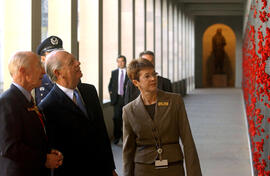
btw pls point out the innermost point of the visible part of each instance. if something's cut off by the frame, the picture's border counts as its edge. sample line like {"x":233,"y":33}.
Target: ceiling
{"x":214,"y":7}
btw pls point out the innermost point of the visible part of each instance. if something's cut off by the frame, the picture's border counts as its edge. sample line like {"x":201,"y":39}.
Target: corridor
{"x":219,"y":129}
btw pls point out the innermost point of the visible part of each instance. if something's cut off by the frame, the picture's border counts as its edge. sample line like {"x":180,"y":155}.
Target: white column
{"x":62,"y":22}
{"x":1,"y":44}
{"x":17,"y":31}
{"x":89,"y":41}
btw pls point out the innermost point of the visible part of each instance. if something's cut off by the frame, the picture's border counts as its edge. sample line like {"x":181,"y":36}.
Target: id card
{"x":161,"y":164}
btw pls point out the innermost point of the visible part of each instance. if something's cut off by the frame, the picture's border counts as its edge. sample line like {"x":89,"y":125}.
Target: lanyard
{"x":157,"y":139}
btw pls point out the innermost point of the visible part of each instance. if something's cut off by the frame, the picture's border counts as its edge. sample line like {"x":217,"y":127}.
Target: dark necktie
{"x":78,"y":101}
{"x":121,"y":87}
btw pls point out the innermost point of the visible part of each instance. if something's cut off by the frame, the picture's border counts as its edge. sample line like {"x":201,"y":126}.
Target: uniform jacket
{"x":23,"y":143}
{"x":113,"y":86}
{"x":132,"y":92}
{"x":170,"y":123}
{"x":82,"y":139}
{"x":44,"y":89}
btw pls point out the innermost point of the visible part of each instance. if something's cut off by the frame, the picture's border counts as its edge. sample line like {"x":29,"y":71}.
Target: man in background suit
{"x":75,"y":120}
{"x":45,"y":47}
{"x":132,"y":92}
{"x":116,"y":87}
{"x":23,"y":139}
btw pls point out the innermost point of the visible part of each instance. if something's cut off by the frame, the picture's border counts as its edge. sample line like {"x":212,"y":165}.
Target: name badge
{"x":161,"y":164}
{"x":163,"y":103}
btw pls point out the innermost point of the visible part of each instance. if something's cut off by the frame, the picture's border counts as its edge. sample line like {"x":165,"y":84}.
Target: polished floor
{"x":219,"y":128}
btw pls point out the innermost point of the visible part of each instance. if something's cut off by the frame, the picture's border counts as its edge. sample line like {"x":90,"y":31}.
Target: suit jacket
{"x":23,"y":143}
{"x":169,"y":124}
{"x":82,"y":139}
{"x":113,"y":86}
{"x":132,"y":92}
{"x":44,"y":89}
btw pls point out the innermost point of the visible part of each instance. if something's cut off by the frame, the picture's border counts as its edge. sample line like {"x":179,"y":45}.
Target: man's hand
{"x":54,"y":159}
{"x":114,"y":173}
{"x":58,"y":153}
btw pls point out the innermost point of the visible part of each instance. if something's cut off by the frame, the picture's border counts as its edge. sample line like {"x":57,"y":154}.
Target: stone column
{"x":62,"y":22}
{"x":21,"y":30}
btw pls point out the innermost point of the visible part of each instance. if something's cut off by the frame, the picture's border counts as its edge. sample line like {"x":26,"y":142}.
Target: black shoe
{"x":115,"y":141}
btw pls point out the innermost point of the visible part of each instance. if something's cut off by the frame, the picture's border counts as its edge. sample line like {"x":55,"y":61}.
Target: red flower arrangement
{"x":256,"y":84}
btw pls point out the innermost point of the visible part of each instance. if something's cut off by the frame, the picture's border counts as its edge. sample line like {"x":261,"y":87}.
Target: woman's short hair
{"x":135,"y":66}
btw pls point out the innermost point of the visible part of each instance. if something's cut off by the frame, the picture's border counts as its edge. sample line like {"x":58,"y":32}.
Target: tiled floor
{"x":218,"y":125}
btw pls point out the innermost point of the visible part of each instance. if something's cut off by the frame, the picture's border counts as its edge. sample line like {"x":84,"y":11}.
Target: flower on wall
{"x":256,"y":84}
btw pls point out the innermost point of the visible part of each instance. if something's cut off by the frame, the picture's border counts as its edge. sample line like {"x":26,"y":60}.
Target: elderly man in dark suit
{"x":116,"y":87}
{"x":132,"y":92}
{"x":75,"y":120}
{"x":23,"y":139}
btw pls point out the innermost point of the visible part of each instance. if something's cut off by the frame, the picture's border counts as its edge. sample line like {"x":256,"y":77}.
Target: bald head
{"x":18,"y":60}
{"x":53,"y":62}
{"x":63,"y":68}
{"x":25,"y":69}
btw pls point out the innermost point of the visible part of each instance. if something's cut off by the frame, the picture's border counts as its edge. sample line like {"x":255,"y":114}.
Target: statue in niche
{"x":218,"y":44}
{"x":218,"y":63}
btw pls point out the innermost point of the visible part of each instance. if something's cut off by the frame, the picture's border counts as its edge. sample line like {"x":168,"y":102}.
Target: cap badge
{"x":54,"y":41}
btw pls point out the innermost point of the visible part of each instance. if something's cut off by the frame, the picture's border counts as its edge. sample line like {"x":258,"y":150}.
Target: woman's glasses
{"x":149,"y":75}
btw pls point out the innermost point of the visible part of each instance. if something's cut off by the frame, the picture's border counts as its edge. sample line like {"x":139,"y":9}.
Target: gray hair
{"x":18,"y":60}
{"x":147,"y":53}
{"x":52,"y":63}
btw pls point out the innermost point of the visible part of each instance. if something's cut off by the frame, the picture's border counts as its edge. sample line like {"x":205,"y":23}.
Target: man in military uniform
{"x":48,"y":45}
